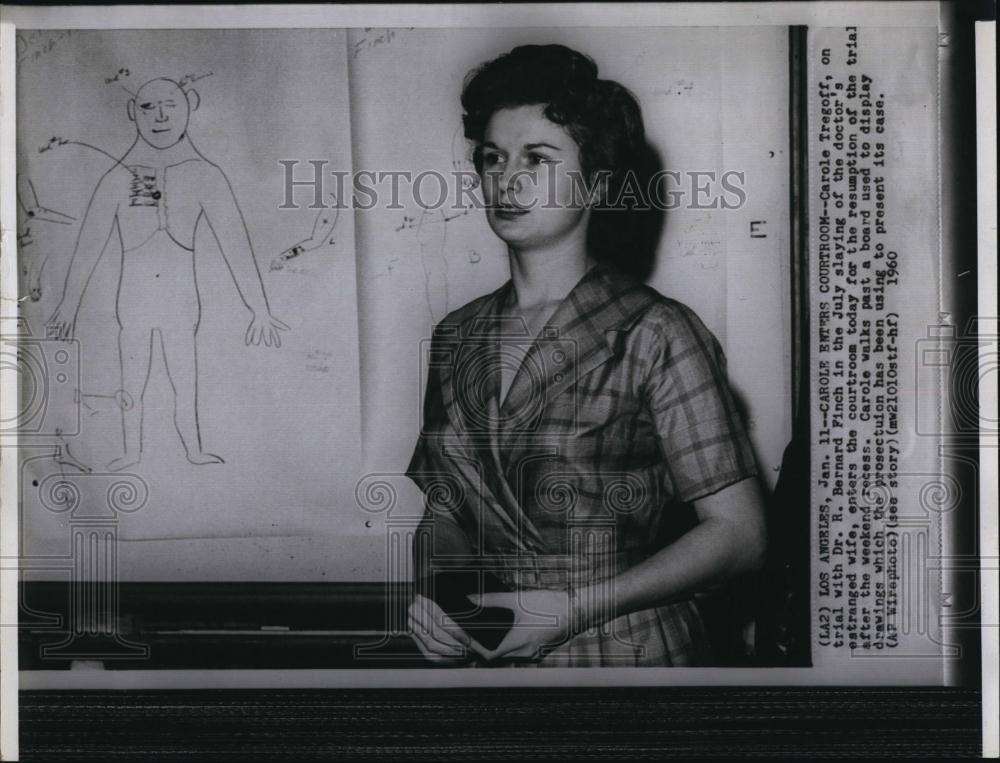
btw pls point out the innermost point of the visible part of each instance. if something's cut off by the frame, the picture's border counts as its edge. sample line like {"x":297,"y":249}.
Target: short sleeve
{"x":430,"y":468}
{"x":432,"y":413}
{"x":704,"y":442}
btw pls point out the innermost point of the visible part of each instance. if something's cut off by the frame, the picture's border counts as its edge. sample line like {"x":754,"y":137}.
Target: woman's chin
{"x":511,"y":232}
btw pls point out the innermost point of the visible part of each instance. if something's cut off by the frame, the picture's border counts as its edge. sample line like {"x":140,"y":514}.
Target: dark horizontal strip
{"x":289,"y":650}
{"x":603,"y":723}
{"x":156,"y":606}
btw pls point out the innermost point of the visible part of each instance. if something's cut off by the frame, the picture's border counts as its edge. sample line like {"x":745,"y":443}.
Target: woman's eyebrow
{"x":528,"y":146}
{"x":533,"y":146}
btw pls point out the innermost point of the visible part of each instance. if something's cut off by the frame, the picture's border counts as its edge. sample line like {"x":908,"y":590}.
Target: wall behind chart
{"x":300,"y":425}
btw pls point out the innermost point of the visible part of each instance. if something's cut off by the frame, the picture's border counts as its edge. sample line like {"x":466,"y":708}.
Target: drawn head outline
{"x":161,"y":109}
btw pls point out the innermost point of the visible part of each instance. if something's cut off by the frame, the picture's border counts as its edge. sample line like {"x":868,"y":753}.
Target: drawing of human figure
{"x":155,"y":196}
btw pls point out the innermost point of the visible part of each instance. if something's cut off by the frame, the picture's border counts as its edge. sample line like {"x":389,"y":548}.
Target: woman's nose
{"x":514,"y":178}
{"x":512,"y":181}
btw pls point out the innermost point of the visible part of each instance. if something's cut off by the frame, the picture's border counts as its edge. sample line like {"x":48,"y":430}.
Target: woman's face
{"x":533,"y":182}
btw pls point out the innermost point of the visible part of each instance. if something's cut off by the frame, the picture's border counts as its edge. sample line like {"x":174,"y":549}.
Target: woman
{"x":572,"y":414}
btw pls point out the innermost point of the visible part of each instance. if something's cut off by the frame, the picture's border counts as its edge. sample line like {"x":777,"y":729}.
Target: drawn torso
{"x":163,"y":199}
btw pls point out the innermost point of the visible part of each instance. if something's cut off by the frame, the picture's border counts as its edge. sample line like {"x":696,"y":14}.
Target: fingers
{"x":509,"y":642}
{"x":439,"y":659}
{"x":439,"y":638}
{"x":517,"y":644}
{"x":61,"y":330}
{"x":431,"y":644}
{"x":275,"y":327}
{"x":265,"y":332}
{"x":271,"y":338}
{"x":491,"y":599}
{"x":431,"y":618}
{"x":481,"y":650}
{"x":431,"y":656}
{"x":54,"y":326}
{"x":436,"y":633}
{"x":533,"y":626}
{"x":434,"y":652}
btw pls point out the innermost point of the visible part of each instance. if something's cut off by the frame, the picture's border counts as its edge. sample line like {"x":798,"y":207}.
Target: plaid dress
{"x":618,"y":417}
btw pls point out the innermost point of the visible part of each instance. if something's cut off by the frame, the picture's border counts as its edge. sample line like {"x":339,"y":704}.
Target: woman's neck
{"x":545,"y":277}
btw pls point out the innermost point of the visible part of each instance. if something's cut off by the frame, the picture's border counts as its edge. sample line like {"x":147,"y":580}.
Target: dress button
{"x":157,"y":195}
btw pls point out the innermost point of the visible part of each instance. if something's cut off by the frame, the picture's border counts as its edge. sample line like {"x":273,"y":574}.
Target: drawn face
{"x":532,"y":179}
{"x":161,"y":112}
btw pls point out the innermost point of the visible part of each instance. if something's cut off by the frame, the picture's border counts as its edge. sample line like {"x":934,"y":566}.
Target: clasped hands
{"x":542,"y":617}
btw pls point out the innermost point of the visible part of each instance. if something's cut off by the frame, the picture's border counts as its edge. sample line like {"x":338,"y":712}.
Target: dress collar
{"x":579,"y":337}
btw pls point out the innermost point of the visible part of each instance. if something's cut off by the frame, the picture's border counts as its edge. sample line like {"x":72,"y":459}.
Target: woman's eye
{"x":492,"y":159}
{"x":538,"y":159}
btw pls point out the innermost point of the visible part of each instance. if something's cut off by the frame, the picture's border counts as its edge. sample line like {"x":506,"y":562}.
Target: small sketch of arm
{"x":323,"y":225}
{"x":28,"y":200}
{"x":57,"y":142}
{"x":414,"y":223}
{"x":190,"y":79}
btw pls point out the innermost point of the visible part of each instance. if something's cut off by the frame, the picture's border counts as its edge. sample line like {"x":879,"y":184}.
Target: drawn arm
{"x":229,"y":228}
{"x":323,"y":225}
{"x":28,"y":200}
{"x":99,"y":221}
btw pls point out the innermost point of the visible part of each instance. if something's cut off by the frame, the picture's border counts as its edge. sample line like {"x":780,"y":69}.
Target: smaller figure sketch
{"x":32,"y":211}
{"x":27,"y":199}
{"x":155,"y":197}
{"x":323,"y":225}
{"x":32,"y":263}
{"x":64,"y":457}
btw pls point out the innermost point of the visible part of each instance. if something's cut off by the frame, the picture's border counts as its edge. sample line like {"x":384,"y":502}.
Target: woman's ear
{"x":130,"y":108}
{"x":194,"y":100}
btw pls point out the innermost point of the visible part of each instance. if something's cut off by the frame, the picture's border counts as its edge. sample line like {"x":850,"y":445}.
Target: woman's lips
{"x":506,"y":212}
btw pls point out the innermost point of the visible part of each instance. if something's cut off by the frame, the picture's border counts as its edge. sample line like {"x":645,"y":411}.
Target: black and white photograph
{"x":546,"y":347}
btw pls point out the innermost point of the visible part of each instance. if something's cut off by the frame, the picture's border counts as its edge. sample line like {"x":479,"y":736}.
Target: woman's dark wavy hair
{"x":604,"y":119}
{"x":602,"y":116}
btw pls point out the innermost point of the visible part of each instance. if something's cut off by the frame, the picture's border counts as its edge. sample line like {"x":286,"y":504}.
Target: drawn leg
{"x":64,"y":457}
{"x":135,"y":355}
{"x":180,"y":354}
